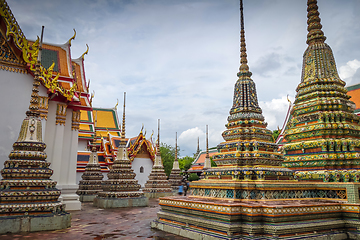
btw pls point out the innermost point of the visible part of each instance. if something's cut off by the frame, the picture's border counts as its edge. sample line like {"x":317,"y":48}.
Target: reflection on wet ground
{"x":95,"y":223}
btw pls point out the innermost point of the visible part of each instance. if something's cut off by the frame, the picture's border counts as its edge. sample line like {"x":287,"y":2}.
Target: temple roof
{"x":198,"y":163}
{"x":103,"y":123}
{"x":354,"y":92}
{"x":63,"y":77}
{"x":99,"y":120}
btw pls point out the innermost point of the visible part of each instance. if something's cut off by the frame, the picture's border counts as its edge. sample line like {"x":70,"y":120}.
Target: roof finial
{"x":123,"y":121}
{"x":117,"y":103}
{"x":175,"y":146}
{"x":34,"y":100}
{"x":244,"y":68}
{"x":73,"y":37}
{"x":86,"y":52}
{"x":158,"y":139}
{"x":314,"y":26}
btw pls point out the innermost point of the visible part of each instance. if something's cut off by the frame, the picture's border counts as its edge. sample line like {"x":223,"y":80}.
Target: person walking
{"x":181,"y":189}
{"x":186,"y":187}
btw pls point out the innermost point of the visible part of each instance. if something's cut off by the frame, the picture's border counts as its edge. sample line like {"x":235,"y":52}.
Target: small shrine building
{"x":104,"y":124}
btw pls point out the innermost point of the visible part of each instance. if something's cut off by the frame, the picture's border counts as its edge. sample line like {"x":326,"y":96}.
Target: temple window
{"x":141,"y":169}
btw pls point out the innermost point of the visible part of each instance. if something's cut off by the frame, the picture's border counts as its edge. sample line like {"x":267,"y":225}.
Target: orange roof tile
{"x":355,"y":97}
{"x":202,"y":157}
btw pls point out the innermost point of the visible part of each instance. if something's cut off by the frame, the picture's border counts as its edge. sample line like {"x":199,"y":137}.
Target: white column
{"x":57,"y":149}
{"x":67,"y":183}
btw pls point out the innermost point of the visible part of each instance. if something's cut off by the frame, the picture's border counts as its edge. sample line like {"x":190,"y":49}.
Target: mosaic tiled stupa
{"x":249,"y":195}
{"x":28,"y":197}
{"x":157,"y":185}
{"x":121,"y":189}
{"x":323,"y":134}
{"x":175,"y":177}
{"x":91,"y":181}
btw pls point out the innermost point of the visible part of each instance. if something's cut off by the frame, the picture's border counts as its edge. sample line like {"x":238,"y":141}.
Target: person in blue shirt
{"x":181,"y":188}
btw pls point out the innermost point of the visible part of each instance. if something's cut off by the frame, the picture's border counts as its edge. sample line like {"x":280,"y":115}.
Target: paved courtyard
{"x":94,"y":223}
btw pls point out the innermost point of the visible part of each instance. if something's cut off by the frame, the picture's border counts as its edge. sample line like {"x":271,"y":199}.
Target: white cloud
{"x":188,"y":138}
{"x":347,"y":71}
{"x":275,"y":111}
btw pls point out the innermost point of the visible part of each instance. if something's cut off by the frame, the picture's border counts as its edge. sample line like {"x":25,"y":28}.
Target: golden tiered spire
{"x":207,"y":142}
{"x":244,"y":68}
{"x":315,"y":35}
{"x":175,"y":146}
{"x":34,"y":101}
{"x":158,"y":140}
{"x":123,"y":122}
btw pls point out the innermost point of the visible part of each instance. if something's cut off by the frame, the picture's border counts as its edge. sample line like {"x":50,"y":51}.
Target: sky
{"x":177,"y":60}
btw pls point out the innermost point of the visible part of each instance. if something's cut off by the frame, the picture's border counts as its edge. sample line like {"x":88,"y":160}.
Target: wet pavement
{"x":95,"y":223}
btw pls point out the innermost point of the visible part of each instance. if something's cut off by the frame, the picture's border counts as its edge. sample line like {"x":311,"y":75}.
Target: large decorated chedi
{"x":121,"y":189}
{"x":157,"y":185}
{"x":91,"y":181}
{"x":248,"y":152}
{"x":323,"y":133}
{"x":28,"y":197}
{"x":249,"y":195}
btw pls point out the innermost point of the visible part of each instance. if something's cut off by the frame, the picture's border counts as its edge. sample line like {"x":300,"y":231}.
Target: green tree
{"x":213,"y":163}
{"x":193,"y":177}
{"x":167,"y":153}
{"x":275,"y":134}
{"x":185,"y":163}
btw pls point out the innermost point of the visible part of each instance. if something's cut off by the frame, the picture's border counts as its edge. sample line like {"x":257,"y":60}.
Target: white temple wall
{"x":15,"y":92}
{"x":147,"y":164}
{"x":82,"y":145}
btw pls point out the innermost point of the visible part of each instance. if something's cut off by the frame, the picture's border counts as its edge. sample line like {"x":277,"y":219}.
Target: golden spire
{"x":207,"y":142}
{"x":315,"y":35}
{"x":158,"y":140}
{"x":123,"y":122}
{"x":244,"y":68}
{"x":207,"y":163}
{"x":198,"y":146}
{"x":175,"y":146}
{"x":34,"y":100}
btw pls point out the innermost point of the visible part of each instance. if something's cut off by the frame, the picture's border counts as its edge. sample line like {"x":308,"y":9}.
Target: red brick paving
{"x":95,"y":223}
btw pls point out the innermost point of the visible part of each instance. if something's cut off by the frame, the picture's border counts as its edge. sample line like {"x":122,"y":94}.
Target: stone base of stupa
{"x":34,"y":223}
{"x":196,"y":234}
{"x":121,"y":202}
{"x":200,"y":218}
{"x":159,"y":194}
{"x":288,"y":209}
{"x":87,"y":198}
